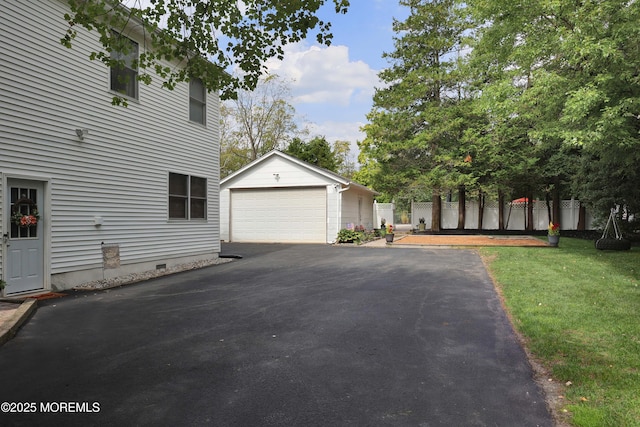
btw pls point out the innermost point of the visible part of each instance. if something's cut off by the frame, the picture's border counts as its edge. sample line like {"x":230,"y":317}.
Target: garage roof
{"x":331,"y":176}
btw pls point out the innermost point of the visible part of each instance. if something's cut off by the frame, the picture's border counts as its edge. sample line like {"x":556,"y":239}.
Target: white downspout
{"x":339,"y":205}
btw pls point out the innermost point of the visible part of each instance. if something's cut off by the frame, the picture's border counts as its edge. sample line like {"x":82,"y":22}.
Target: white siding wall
{"x":263,"y":175}
{"x":120,"y":170}
{"x":225,"y":197}
{"x":357,"y":209}
{"x":2,"y":224}
{"x":333,"y":212}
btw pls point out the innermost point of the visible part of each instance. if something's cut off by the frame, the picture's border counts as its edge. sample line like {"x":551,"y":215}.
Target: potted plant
{"x":389,"y":235}
{"x":554,"y":234}
{"x":383,"y":227}
{"x":421,"y":226}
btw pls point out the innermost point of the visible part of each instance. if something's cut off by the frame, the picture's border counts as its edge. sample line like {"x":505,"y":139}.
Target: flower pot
{"x":553,"y":240}
{"x":389,"y":237}
{"x":422,"y":226}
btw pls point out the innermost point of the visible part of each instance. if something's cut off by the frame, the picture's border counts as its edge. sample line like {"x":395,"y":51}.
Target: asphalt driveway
{"x":290,"y":335}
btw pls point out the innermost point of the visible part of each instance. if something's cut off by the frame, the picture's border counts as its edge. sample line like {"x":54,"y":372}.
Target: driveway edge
{"x":9,"y":329}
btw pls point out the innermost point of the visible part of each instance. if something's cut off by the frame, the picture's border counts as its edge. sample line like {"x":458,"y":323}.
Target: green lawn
{"x":579,"y":310}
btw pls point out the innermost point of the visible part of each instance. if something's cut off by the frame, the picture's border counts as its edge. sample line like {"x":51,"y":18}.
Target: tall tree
{"x":232,"y":33}
{"x":417,"y":123}
{"x":345,"y":164}
{"x":577,"y":64}
{"x":255,"y":123}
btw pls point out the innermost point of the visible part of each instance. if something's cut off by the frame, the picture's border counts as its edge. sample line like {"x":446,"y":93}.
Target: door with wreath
{"x":24,"y":262}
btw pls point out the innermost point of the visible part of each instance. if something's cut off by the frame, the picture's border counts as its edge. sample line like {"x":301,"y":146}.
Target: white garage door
{"x":279,"y":215}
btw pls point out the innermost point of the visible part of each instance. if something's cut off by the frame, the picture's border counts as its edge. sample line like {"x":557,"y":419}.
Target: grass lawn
{"x":579,"y":311}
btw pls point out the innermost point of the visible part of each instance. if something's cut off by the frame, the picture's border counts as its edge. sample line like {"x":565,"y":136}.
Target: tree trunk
{"x":500,"y":210}
{"x":480,"y":209}
{"x":556,"y":200}
{"x":462,"y":202}
{"x":582,"y":217}
{"x":547,"y":200}
{"x":529,"y":211}
{"x":435,"y":211}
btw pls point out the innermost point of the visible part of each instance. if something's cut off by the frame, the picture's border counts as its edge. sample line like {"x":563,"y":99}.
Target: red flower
{"x":28,"y":220}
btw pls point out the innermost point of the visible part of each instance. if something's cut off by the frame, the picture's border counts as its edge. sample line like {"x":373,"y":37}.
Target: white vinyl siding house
{"x":109,"y":187}
{"x":279,"y":198}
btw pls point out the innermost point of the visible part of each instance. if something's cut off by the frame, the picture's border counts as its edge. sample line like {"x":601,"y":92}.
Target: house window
{"x":124,"y":76}
{"x":187,"y":197}
{"x":197,"y":101}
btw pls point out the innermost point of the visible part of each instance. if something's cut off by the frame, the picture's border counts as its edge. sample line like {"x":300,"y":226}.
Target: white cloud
{"x":332,"y":92}
{"x":325,"y":75}
{"x":338,"y":131}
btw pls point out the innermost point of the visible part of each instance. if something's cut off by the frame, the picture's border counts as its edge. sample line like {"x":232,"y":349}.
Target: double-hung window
{"x":124,"y":75}
{"x":187,"y":197}
{"x":197,"y":101}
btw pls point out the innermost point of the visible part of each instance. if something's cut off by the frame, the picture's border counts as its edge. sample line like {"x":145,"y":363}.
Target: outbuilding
{"x":281,"y":199}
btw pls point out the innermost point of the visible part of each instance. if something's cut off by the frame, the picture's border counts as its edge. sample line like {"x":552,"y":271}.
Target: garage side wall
{"x":333,"y":212}
{"x":357,"y":209}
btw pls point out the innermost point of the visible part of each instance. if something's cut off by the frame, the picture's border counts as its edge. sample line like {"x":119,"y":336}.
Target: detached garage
{"x":281,"y":199}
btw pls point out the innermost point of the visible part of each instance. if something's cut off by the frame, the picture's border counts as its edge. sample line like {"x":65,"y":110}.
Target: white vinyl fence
{"x":514,"y":215}
{"x":383,"y":211}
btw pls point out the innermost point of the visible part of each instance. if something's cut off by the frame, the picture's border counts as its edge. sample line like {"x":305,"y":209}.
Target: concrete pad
{"x":12,"y":317}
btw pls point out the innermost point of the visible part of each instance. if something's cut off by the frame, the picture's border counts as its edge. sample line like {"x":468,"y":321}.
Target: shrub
{"x":349,"y":236}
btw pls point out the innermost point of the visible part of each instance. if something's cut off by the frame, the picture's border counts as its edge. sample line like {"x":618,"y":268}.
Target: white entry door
{"x":24,"y":262}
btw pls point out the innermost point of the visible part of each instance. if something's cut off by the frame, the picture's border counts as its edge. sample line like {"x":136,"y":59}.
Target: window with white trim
{"x":197,"y":101}
{"x":124,"y":76}
{"x":187,"y":197}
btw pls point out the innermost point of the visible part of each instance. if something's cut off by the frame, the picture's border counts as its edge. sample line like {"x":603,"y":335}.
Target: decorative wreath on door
{"x":25,"y":220}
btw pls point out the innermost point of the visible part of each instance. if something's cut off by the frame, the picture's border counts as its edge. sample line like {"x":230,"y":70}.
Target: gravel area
{"x":146,"y":275}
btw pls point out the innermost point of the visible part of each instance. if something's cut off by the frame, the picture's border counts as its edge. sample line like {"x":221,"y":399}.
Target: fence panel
{"x":541,"y":217}
{"x":382,"y":211}
{"x":569,"y":214}
{"x":421,"y":210}
{"x":449,"y":215}
{"x":491,"y":216}
{"x":514,"y":215}
{"x":471,"y":215}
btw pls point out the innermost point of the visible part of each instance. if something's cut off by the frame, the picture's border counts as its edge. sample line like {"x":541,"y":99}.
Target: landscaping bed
{"x":471,"y":240}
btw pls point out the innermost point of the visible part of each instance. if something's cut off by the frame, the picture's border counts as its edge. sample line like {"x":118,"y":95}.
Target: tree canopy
{"x":317,"y":152}
{"x":209,"y":37}
{"x":255,"y":122}
{"x":518,"y":98}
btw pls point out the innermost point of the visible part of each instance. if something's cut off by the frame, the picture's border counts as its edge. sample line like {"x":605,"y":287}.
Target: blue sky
{"x":332,"y":87}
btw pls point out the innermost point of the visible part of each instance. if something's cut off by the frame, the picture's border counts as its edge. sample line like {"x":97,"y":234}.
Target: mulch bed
{"x":470,"y":240}
{"x":48,"y":295}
